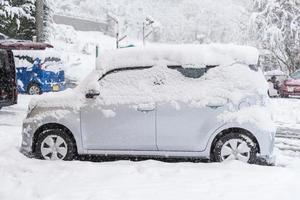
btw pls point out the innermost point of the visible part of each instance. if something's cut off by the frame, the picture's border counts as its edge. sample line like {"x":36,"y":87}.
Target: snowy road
{"x":30,"y":179}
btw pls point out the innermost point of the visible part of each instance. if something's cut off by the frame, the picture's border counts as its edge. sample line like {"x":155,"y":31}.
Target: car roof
{"x":23,"y":45}
{"x":198,"y":56}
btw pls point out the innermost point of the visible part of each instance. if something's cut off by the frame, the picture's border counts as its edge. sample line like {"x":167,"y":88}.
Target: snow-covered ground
{"x":31,"y":179}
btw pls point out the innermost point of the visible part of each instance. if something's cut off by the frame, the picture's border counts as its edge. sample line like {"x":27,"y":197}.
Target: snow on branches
{"x":275,"y":24}
{"x":17,"y":18}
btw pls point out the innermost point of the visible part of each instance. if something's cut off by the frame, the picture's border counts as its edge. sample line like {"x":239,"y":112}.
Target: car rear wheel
{"x":34,"y":89}
{"x":235,"y":146}
{"x":55,"y":144}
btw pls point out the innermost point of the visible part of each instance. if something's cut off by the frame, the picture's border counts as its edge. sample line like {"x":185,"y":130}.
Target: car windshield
{"x":296,"y":75}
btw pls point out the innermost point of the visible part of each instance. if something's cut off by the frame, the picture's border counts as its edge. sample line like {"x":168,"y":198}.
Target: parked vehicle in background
{"x":291,"y":86}
{"x":39,"y":72}
{"x":8,"y":86}
{"x":275,"y":79}
{"x":193,"y":101}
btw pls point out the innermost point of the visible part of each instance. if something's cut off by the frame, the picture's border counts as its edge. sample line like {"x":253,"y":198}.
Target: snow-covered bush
{"x":275,"y":25}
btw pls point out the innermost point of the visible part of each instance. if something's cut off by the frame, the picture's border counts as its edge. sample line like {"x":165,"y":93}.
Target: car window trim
{"x":180,"y":67}
{"x":124,"y":69}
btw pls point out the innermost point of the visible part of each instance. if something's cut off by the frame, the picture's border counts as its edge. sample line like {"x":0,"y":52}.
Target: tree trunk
{"x":40,"y":20}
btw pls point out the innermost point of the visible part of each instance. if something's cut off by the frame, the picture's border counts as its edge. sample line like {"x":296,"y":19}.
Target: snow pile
{"x":65,"y":99}
{"x":185,"y":55}
{"x":286,"y":114}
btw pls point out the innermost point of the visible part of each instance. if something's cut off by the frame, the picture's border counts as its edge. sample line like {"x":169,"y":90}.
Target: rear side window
{"x":296,"y":75}
{"x":191,"y":72}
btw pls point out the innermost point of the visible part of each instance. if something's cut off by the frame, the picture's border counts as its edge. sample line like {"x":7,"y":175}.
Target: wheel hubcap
{"x":235,"y":149}
{"x":34,"y":90}
{"x":54,"y":147}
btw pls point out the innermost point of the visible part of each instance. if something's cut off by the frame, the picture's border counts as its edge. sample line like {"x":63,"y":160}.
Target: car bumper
{"x":27,"y":139}
{"x":266,"y":160}
{"x":53,"y":87}
{"x":290,"y":91}
{"x":266,"y":140}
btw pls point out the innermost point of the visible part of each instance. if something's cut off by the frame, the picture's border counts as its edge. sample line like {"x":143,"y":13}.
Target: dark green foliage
{"x":17,"y":18}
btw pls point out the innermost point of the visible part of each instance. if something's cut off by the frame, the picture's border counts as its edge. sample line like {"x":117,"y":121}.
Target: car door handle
{"x":145,"y":108}
{"x":214,"y":106}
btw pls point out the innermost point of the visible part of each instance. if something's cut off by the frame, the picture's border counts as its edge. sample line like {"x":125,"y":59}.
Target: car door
{"x":185,"y":124}
{"x":122,"y":117}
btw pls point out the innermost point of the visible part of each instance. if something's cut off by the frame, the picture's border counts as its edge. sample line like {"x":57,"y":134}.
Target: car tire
{"x":34,"y":89}
{"x":55,"y":144}
{"x":235,"y":146}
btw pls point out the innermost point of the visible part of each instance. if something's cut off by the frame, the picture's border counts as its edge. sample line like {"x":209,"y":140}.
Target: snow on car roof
{"x":185,"y":55}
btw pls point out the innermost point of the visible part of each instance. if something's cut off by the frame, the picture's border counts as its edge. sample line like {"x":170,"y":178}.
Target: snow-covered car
{"x":200,"y":101}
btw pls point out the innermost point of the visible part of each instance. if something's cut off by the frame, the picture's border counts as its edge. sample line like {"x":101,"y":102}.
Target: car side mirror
{"x":92,"y":94}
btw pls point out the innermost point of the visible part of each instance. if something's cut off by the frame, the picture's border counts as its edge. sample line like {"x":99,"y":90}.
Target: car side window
{"x":191,"y":72}
{"x":127,"y":85}
{"x":296,"y":75}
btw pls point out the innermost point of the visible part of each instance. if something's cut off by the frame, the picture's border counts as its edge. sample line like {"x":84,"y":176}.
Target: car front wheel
{"x":235,"y":146}
{"x":55,"y":144}
{"x":34,"y":89}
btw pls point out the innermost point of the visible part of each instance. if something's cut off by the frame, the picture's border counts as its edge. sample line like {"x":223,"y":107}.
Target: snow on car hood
{"x":70,"y":98}
{"x":199,"y":55}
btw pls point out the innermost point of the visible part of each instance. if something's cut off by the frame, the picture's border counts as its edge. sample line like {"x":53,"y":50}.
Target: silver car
{"x":159,"y":109}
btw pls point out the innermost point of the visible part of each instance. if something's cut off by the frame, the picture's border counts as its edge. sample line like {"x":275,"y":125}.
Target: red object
{"x":23,"y":45}
{"x":290,"y":87}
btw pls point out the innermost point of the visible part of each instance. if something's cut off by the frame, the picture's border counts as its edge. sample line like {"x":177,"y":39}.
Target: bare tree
{"x":275,"y":25}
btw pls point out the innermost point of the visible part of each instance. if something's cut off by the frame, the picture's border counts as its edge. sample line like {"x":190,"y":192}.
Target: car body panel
{"x":121,"y":127}
{"x":66,"y":117}
{"x":70,"y":118}
{"x":182,"y":127}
